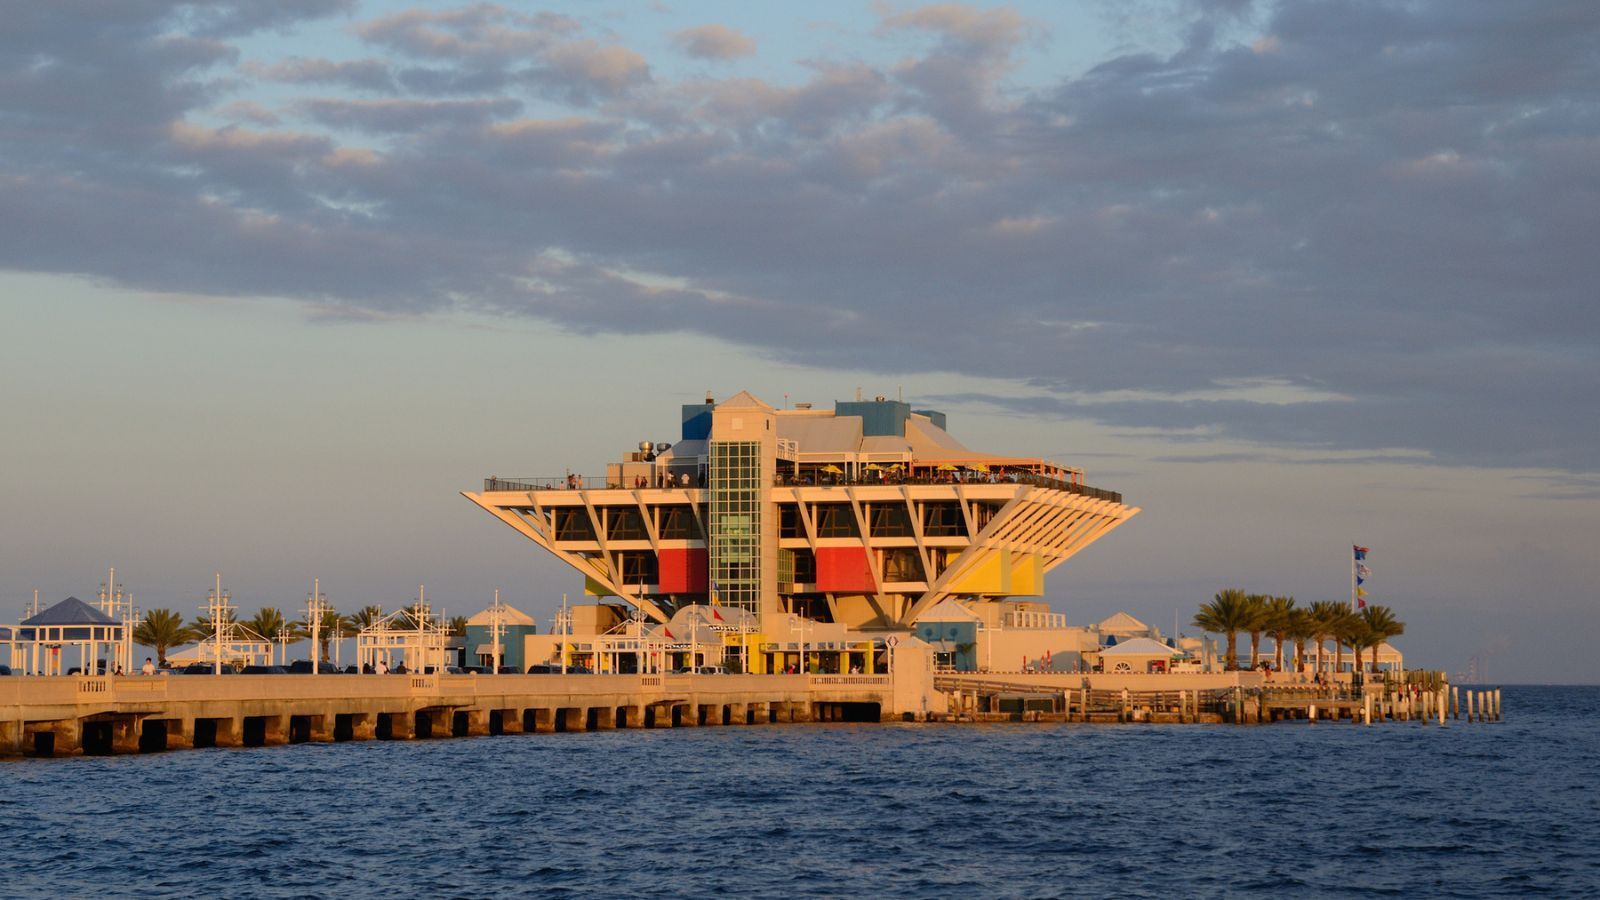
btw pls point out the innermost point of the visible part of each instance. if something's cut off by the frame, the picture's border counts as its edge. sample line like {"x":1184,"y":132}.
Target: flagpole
{"x":1352,"y":578}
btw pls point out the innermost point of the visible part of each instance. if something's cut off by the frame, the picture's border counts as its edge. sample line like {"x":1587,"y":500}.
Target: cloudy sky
{"x":280,"y":278}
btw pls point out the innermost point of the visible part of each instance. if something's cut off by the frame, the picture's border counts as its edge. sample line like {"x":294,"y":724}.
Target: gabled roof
{"x":1122,"y":623}
{"x":744,"y":398}
{"x":509,"y":615}
{"x":949,"y":611}
{"x":1141,"y":647}
{"x":71,"y":611}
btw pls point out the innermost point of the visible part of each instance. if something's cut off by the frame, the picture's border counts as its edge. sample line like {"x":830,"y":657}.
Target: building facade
{"x":862,"y":518}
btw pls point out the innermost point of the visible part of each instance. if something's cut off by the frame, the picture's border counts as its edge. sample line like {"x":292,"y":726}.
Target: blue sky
{"x":280,"y":279}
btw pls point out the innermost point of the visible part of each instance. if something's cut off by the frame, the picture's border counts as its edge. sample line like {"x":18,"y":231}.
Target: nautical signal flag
{"x":1360,"y":603}
{"x":716,"y":615}
{"x":1361,"y":552}
{"x":1363,"y":571}
{"x":1361,"y":592}
{"x":668,"y":633}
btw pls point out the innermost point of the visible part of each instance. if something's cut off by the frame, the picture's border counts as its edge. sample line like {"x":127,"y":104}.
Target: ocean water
{"x":1511,"y":809}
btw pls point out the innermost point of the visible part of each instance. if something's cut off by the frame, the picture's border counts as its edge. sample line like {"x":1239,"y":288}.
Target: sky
{"x":279,"y":280}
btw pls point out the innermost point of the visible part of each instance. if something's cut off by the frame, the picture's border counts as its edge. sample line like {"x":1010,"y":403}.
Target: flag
{"x":1360,"y":603}
{"x":1361,"y":592}
{"x":716,"y":615}
{"x":668,"y":633}
{"x":1363,"y":571}
{"x":1360,"y":580}
{"x":1361,"y":552}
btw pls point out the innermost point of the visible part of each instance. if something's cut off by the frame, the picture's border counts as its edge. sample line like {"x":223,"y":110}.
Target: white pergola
{"x":411,"y":636}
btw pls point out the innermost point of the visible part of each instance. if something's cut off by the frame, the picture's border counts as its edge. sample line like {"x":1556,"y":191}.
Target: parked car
{"x":509,"y":670}
{"x":265,"y":670}
{"x":555,"y":669}
{"x":199,"y":668}
{"x":5,"y":670}
{"x":701,"y":670}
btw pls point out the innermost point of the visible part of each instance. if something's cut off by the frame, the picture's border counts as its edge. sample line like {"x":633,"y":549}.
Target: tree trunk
{"x":1233,"y":652}
{"x":1255,"y":644}
{"x":1338,"y":655}
{"x":1277,"y":651}
{"x":1300,"y":656}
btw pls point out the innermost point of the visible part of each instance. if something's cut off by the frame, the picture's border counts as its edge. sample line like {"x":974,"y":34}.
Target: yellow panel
{"x":596,"y":589}
{"x":991,"y":574}
{"x":1027,"y":575}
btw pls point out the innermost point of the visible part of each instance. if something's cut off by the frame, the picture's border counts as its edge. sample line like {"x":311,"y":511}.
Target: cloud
{"x":715,"y":42}
{"x":1346,"y":229}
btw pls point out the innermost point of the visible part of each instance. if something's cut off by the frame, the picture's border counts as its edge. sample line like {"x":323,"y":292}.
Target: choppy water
{"x":838,"y":810}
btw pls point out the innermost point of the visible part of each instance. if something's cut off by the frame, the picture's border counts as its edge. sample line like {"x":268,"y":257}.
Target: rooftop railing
{"x":807,"y":479}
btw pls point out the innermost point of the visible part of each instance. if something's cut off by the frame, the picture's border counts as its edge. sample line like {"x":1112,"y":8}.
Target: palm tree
{"x":1228,"y":613}
{"x":1325,"y":618}
{"x":200,"y":628}
{"x":332,"y":622}
{"x":160,"y":629}
{"x":1352,"y":631}
{"x":1301,"y":628}
{"x":458,"y":626}
{"x":1256,"y":623}
{"x":267,"y":623}
{"x":1381,"y":624}
{"x":1275,"y":619}
{"x":366,"y":617}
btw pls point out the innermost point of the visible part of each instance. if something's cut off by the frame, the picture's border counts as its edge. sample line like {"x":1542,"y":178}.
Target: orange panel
{"x":844,"y":569}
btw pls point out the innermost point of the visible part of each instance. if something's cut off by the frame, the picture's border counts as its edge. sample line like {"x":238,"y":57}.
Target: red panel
{"x":843,"y":569}
{"x":684,"y":570}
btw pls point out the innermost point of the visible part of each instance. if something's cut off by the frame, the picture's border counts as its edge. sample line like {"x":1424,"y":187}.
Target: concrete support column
{"x":402,"y":726}
{"x":321,"y":730}
{"x":544,"y":721}
{"x":363,"y":727}
{"x":799,"y":712}
{"x":477,"y":722}
{"x":276,"y":730}
{"x":688,"y":715}
{"x":763,"y":713}
{"x":712,"y":713}
{"x":739,"y":713}
{"x":11,"y":738}
{"x":125,"y":736}
{"x":510,"y":721}
{"x":230,"y":731}
{"x":605,"y":718}
{"x":180,"y":734}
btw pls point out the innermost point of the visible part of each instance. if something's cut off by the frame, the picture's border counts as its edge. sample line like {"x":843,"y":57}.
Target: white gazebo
{"x":42,"y":639}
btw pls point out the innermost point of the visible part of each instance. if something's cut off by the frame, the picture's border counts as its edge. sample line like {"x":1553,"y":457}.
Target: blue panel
{"x":934,"y":416}
{"x":879,"y":418}
{"x":697,"y":421}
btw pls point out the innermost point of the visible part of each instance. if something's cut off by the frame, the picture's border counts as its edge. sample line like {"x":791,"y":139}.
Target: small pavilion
{"x":412,"y":637}
{"x":43,"y":637}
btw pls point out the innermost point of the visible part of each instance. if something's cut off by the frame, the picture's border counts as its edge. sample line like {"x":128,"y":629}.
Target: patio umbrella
{"x":873,"y":467}
{"x":946,"y":467}
{"x":980,"y":467}
{"x":832,"y":469}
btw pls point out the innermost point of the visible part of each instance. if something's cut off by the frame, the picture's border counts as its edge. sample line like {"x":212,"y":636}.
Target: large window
{"x":890,"y":521}
{"x":623,"y":523}
{"x":836,"y":520}
{"x":796,"y":567}
{"x":638,"y":567}
{"x":902,"y":564}
{"x":572,"y":524}
{"x":678,"y":524}
{"x":943,"y":520}
{"x":789,"y":524}
{"x":735,"y":523}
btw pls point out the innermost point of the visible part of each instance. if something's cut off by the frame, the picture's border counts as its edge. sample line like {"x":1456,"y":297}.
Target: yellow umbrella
{"x":980,"y":467}
{"x":946,"y":467}
{"x":873,"y":467}
{"x":896,"y":467}
{"x":832,"y":469}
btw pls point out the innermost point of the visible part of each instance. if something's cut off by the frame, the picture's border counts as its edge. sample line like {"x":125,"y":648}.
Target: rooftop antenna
{"x":900,"y":393}
{"x":858,"y":393}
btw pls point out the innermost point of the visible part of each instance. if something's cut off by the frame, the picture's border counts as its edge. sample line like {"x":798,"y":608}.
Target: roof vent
{"x":802,"y":406}
{"x":879,"y":398}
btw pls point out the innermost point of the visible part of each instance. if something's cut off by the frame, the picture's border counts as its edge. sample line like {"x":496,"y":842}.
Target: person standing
{"x":149,"y":667}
